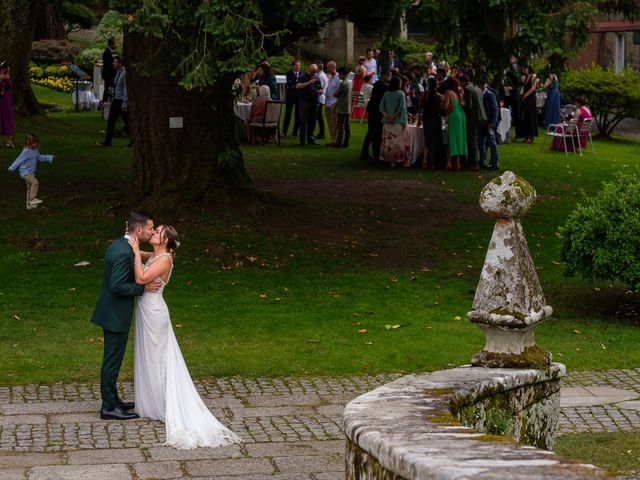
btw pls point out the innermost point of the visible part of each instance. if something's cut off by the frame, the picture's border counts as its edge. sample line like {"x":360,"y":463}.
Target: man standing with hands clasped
{"x":115,"y":309}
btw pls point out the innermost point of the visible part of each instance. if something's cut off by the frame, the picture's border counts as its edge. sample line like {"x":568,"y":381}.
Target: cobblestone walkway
{"x":291,"y":428}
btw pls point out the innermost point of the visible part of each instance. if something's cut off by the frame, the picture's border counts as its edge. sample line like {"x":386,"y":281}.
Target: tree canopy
{"x":486,"y":31}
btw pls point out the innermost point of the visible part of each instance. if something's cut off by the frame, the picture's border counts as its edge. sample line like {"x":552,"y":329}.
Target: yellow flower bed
{"x":64,"y":84}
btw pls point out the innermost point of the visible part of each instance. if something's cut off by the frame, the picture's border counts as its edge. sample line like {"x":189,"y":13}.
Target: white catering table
{"x":88,"y":101}
{"x":416,"y":143}
{"x":242,"y":110}
{"x":504,"y":127}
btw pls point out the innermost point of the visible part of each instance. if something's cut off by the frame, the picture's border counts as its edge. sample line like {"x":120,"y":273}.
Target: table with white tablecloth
{"x":504,"y":127}
{"x":242,"y":110}
{"x":87,"y":99}
{"x":416,"y":143}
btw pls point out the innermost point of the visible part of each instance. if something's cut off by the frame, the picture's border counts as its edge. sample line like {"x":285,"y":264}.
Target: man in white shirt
{"x":331,"y":101}
{"x":324,"y":81}
{"x":371,"y":65}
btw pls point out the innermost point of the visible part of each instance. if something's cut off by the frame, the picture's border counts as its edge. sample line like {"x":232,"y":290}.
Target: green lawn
{"x":285,"y":289}
{"x":618,"y":451}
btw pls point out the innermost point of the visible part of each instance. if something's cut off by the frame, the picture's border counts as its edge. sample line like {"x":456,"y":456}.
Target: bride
{"x":164,"y":389}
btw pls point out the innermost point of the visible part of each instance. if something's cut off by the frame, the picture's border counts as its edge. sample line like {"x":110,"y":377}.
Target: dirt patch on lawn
{"x":385,"y":223}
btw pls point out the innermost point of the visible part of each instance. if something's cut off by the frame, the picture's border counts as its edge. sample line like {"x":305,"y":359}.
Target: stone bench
{"x":460,"y":423}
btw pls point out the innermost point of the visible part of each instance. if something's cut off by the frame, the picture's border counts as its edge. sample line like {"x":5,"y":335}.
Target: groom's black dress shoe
{"x":126,"y":405}
{"x":117,"y":413}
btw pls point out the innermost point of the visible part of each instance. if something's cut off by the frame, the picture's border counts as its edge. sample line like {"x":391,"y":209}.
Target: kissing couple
{"x":163,"y":387}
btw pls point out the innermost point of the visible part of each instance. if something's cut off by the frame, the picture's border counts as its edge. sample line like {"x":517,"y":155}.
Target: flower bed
{"x":57,"y":77}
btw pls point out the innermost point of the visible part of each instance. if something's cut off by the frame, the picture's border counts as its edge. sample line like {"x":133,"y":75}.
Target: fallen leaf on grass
{"x":17,"y":317}
{"x":71,"y":289}
{"x":263,"y":295}
{"x":368,"y":343}
{"x":457,"y":317}
{"x":178,"y":325}
{"x":425,"y":269}
{"x":362,"y":330}
{"x":555,"y":262}
{"x":602,"y":346}
{"x":577,"y":331}
{"x":83,"y":263}
{"x":459,"y":274}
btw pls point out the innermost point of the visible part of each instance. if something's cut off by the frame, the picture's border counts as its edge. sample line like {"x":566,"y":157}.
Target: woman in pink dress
{"x":7,"y":122}
{"x":356,"y":84}
{"x":581,"y":114}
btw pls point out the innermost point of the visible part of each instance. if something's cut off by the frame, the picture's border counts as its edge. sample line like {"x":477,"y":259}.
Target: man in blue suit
{"x":487,"y":133}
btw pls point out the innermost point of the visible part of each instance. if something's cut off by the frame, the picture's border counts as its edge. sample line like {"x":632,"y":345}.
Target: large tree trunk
{"x":200,"y":161}
{"x":17,"y":24}
{"x":48,"y":25}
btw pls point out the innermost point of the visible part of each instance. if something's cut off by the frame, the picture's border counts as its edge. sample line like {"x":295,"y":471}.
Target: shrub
{"x":87,"y":57}
{"x":403,"y":48}
{"x":611,"y":96}
{"x":36,"y":72}
{"x":281,"y":64}
{"x":53,"y":51}
{"x":111,"y":25}
{"x":601,"y":236}
{"x":76,"y":16}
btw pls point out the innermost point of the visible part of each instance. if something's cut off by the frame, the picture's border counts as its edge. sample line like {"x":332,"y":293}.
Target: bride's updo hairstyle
{"x":173,"y":240}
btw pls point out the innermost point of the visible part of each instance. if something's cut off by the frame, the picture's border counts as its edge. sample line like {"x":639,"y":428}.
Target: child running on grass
{"x":27,"y":161}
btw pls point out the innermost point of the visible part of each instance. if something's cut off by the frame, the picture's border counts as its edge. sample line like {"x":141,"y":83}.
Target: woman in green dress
{"x":456,"y":123}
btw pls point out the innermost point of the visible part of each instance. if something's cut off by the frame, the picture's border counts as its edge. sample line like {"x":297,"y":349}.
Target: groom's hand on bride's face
{"x":153,"y":286}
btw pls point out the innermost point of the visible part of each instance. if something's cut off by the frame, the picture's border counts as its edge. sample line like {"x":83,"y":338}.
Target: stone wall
{"x":459,"y":423}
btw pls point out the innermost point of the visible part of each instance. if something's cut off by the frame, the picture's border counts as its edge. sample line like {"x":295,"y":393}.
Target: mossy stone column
{"x":509,"y":302}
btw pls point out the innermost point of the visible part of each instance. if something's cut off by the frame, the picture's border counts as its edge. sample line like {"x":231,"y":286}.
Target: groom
{"x":114,"y":311}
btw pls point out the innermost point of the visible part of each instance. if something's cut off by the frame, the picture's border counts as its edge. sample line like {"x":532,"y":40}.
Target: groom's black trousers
{"x":115,"y":344}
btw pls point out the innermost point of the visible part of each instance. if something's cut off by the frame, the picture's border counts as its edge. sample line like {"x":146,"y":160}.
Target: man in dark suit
{"x":476,"y":116}
{"x":291,"y":99}
{"x":114,"y":310}
{"x":488,"y":129}
{"x":308,"y":88}
{"x":395,"y":65}
{"x":108,"y":70}
{"x":374,"y":121}
{"x":513,"y":85}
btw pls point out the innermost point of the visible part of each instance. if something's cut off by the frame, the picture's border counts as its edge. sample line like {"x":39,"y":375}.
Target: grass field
{"x":618,"y":451}
{"x":340,"y":246}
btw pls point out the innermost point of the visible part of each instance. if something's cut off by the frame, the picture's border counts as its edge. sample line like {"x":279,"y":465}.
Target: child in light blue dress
{"x":27,"y":162}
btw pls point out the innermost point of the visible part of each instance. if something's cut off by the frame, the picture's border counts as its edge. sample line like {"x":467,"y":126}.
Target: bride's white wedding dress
{"x":163,"y":386}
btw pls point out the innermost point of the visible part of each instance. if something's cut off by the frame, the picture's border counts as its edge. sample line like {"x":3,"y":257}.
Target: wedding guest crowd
{"x":456,"y":108}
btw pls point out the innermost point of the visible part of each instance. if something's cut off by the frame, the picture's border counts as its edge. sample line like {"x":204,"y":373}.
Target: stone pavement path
{"x":291,"y":428}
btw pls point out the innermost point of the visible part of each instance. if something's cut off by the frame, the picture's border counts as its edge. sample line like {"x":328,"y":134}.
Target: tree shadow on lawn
{"x":382,"y":224}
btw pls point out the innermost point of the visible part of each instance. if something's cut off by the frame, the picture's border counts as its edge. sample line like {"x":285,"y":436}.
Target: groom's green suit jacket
{"x":115,"y":304}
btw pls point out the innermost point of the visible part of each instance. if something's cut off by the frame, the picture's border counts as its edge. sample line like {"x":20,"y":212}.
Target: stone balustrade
{"x":460,"y":423}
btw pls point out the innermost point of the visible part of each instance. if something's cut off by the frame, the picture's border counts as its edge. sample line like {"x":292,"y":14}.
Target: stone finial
{"x":509,"y":302}
{"x":507,"y":196}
